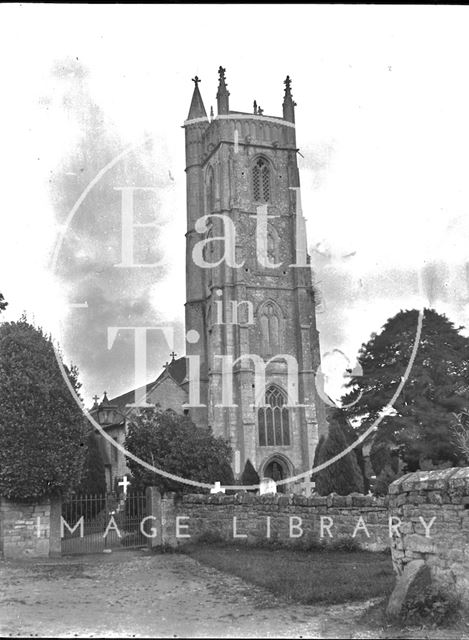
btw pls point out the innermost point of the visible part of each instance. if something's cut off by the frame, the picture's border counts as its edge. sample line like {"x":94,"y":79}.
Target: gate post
{"x":154,"y":510}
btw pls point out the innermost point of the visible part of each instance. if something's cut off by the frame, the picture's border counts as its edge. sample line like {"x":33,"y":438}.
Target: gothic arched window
{"x":270,"y":329}
{"x":273,"y":420}
{"x":261,"y":181}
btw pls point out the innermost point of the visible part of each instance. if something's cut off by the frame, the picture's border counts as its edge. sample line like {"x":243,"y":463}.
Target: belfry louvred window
{"x":261,"y":181}
{"x":273,"y":420}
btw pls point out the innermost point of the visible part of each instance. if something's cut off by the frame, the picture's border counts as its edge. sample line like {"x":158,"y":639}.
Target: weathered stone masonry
{"x":214,"y":514}
{"x":29,"y":529}
{"x":443,"y":496}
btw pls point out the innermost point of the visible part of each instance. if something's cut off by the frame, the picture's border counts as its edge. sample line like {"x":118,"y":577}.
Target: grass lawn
{"x":308,"y":577}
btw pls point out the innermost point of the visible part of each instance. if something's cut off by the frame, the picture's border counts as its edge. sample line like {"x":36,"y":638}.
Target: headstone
{"x":217,"y":488}
{"x":267,"y":485}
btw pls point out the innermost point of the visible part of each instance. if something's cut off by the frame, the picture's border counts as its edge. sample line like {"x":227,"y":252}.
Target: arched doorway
{"x":278,"y":469}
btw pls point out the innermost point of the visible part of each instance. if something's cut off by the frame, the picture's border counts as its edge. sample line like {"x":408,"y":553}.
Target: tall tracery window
{"x":270,"y":329}
{"x":261,"y":181}
{"x":273,"y":419}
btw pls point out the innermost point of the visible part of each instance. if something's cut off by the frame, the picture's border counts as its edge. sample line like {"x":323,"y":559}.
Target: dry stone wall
{"x":433,"y":509}
{"x":292,"y":519}
{"x":29,"y":529}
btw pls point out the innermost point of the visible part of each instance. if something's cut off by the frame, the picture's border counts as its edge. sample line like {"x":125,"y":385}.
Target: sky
{"x":94,"y":98}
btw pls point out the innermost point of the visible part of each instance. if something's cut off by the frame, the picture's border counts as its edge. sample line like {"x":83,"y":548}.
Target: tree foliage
{"x":249,"y":475}
{"x":94,"y":474}
{"x":42,"y":429}
{"x":341,"y":477}
{"x":171,"y":442}
{"x":419,"y":426}
{"x":460,"y":433}
{"x":3,"y":303}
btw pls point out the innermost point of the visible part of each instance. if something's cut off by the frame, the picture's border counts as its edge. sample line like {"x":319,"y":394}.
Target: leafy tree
{"x":227,"y":476}
{"x":460,"y":433}
{"x":41,"y":426}
{"x":3,"y":303}
{"x":317,"y":452}
{"x":171,"y":442}
{"x":384,"y":479}
{"x":419,"y":427}
{"x":341,"y":477}
{"x":249,"y":475}
{"x":94,"y":475}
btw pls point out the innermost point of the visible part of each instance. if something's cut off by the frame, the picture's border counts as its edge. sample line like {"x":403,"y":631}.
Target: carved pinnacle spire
{"x":288,"y":104}
{"x":222,"y":93}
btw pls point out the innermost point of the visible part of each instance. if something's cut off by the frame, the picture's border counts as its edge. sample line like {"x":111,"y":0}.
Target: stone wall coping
{"x":442,"y":479}
{"x":333,"y":500}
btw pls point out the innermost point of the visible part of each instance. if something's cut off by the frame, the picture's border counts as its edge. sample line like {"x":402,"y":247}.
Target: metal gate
{"x":94,"y":523}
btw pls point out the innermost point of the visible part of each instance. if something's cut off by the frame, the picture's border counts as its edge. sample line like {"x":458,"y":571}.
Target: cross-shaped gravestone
{"x":124,"y":483}
{"x":217,"y":488}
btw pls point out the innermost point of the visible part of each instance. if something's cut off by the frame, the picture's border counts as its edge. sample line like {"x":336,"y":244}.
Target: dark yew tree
{"x":94,"y":474}
{"x":42,"y":429}
{"x":249,"y":475}
{"x":171,"y":442}
{"x":341,"y":477}
{"x":419,"y":428}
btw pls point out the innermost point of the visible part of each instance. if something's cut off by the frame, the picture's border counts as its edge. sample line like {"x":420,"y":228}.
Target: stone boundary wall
{"x":29,"y":529}
{"x":434,"y":509}
{"x":249,"y":518}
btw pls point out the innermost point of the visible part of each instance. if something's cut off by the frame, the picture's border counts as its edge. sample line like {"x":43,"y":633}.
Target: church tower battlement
{"x":241,"y":171}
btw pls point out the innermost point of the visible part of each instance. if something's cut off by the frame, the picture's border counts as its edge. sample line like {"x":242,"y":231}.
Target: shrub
{"x":249,"y":475}
{"x":209,"y":537}
{"x":386,"y":476}
{"x":344,"y":476}
{"x":433,"y":606}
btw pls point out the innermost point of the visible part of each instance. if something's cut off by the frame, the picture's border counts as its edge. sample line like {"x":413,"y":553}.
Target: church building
{"x":252,"y":345}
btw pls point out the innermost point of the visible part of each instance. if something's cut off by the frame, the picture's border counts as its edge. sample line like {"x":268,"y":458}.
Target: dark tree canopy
{"x":171,"y":442}
{"x":3,"y":303}
{"x":42,"y":429}
{"x":249,"y":475}
{"x":438,"y":386}
{"x":94,"y":474}
{"x":341,"y":477}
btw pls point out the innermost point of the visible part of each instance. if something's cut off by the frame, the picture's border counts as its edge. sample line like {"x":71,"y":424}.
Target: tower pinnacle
{"x":197,"y":109}
{"x":288,"y":104}
{"x":222,"y":93}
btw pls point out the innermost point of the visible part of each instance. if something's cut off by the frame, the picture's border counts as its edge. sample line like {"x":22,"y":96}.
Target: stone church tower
{"x":242,"y":173}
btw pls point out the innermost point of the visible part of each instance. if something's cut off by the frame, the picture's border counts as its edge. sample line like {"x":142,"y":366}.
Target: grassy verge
{"x":307,"y":577}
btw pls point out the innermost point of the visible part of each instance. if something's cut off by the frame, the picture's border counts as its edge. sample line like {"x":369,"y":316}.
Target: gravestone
{"x":267,"y":485}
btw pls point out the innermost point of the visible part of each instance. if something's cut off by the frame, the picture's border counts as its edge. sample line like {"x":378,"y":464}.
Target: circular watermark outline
{"x":166,"y":474}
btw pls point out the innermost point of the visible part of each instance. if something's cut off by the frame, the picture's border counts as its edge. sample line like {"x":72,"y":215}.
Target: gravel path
{"x":134,"y":594}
